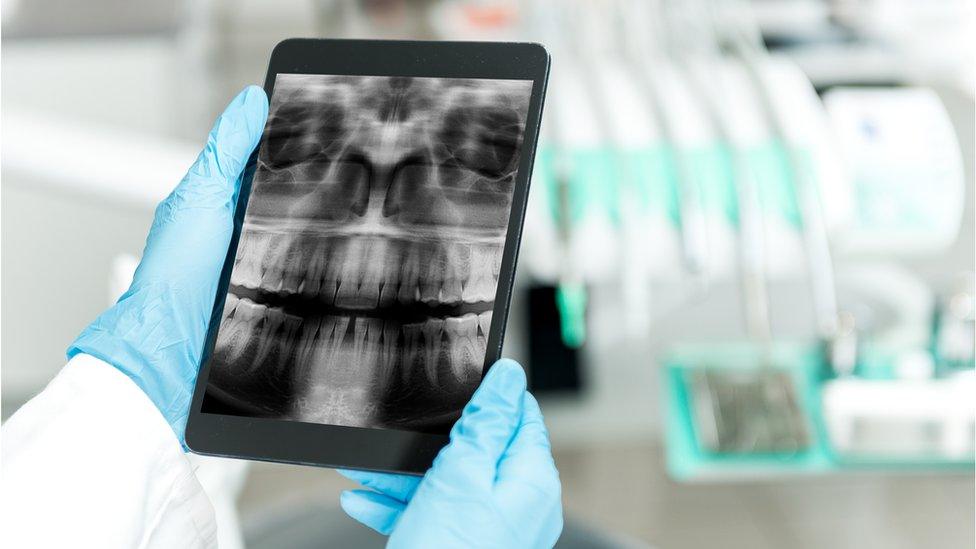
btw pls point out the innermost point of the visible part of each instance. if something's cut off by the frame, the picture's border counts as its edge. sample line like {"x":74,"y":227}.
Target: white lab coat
{"x":90,"y":462}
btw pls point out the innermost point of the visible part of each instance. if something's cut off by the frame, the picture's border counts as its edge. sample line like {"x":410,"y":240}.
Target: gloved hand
{"x":155,"y":332}
{"x":494,"y":485}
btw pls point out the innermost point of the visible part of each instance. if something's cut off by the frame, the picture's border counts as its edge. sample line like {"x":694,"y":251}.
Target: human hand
{"x":494,"y":485}
{"x":155,"y":332}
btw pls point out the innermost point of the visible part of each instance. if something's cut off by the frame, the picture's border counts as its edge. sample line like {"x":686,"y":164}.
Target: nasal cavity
{"x":406,"y":183}
{"x":356,"y":176}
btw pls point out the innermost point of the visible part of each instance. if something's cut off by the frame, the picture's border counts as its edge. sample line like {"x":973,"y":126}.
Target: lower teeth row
{"x":300,"y":367}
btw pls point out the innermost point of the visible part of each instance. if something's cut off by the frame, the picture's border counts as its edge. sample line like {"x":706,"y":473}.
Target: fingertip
{"x":507,"y":374}
{"x":371,"y":509}
{"x":254,"y":98}
{"x":501,"y":390}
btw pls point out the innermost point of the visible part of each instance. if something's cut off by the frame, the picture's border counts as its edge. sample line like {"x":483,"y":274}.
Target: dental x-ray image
{"x":365,"y":276}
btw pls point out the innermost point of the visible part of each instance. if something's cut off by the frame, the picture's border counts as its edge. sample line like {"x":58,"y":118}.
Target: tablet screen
{"x":365,"y":274}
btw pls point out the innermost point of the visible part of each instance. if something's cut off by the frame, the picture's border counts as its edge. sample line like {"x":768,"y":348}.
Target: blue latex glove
{"x":494,"y":485}
{"x":155,"y":332}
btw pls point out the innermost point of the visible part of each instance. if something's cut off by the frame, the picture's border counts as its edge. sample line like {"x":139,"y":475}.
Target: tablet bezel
{"x":352,"y":447}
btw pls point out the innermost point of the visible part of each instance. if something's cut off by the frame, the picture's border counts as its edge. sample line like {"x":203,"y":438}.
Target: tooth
{"x":451,"y":284}
{"x":252,"y":252}
{"x":264,"y":323}
{"x":350,"y":273}
{"x":290,"y":332}
{"x":230,"y":303}
{"x":484,"y":328}
{"x":294,"y":265}
{"x":432,"y":330}
{"x":356,"y":290}
{"x":496,"y":261}
{"x":273,"y":262}
{"x":391,"y":273}
{"x":462,"y":334}
{"x":388,"y":355}
{"x":305,"y":351}
{"x":336,"y":249}
{"x":312,"y":284}
{"x":433,"y":271}
{"x":242,"y":261}
{"x":484,"y":323}
{"x":456,"y":258}
{"x":237,"y":337}
{"x":409,"y":273}
{"x":369,"y":287}
{"x":366,"y":332}
{"x":339,"y":325}
{"x":234,"y":330}
{"x":411,"y":351}
{"x":479,"y":286}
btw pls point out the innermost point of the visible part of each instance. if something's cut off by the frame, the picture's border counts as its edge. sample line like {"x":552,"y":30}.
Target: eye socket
{"x":299,"y":132}
{"x":484,"y":140}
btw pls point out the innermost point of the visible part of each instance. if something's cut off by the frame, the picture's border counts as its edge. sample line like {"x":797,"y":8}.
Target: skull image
{"x":365,"y":276}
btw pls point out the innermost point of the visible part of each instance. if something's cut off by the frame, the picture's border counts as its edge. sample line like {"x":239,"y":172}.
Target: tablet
{"x":366,"y":288}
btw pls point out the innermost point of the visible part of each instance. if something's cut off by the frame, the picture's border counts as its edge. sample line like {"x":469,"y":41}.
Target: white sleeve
{"x":90,"y":462}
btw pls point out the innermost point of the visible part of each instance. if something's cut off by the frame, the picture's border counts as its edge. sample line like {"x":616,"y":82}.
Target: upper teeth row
{"x":366,"y":272}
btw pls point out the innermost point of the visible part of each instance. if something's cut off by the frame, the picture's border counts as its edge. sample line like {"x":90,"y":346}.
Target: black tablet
{"x":367,"y":284}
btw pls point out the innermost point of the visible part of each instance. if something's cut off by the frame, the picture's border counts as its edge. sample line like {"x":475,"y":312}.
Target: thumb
{"x":486,"y":427}
{"x":197,"y":246}
{"x":213,"y":178}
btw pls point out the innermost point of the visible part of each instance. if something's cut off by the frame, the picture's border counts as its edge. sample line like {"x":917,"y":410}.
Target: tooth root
{"x":412,"y":352}
{"x":372,"y":352}
{"x":265,"y":325}
{"x":312,"y":283}
{"x":389,"y":353}
{"x":433,"y":277}
{"x":462,"y":334}
{"x":454,"y":263}
{"x":366,"y":333}
{"x":409,"y":274}
{"x":305,"y":351}
{"x":336,"y":249}
{"x":350,"y":274}
{"x":391,"y":274}
{"x":242,"y":260}
{"x":433,"y":330}
{"x":273,"y":262}
{"x":290,"y":333}
{"x":369,"y":288}
{"x":497,"y":252}
{"x":338,"y":335}
{"x":295,"y":265}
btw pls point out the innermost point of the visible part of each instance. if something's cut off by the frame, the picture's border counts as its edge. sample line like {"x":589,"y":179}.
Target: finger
{"x":213,"y":178}
{"x":400,"y":487}
{"x":375,"y":510}
{"x":486,"y":427}
{"x":530,"y":450}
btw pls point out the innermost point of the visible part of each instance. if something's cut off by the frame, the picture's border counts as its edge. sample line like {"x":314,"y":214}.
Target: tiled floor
{"x":624,"y":490}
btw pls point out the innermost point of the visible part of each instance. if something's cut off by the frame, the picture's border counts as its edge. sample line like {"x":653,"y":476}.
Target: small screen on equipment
{"x":365,"y":275}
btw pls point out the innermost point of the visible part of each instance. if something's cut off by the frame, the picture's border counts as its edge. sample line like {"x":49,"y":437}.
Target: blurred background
{"x":745,"y":294}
